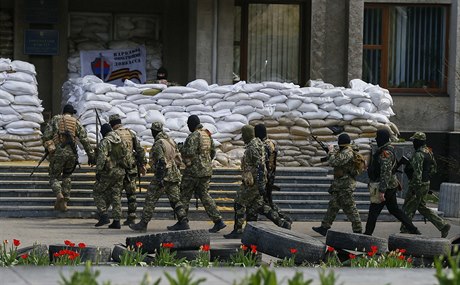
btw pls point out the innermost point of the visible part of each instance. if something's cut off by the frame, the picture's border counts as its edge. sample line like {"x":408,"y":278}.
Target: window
{"x":405,"y":47}
{"x":268,"y":41}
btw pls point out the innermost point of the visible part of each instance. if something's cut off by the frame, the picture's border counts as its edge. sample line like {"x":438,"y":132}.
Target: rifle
{"x":404,"y":160}
{"x":40,"y":162}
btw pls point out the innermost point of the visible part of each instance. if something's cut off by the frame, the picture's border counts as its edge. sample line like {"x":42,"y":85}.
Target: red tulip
{"x":16,"y":242}
{"x":205,"y":247}
{"x":293,"y":250}
{"x":330,"y":249}
{"x":81,"y":245}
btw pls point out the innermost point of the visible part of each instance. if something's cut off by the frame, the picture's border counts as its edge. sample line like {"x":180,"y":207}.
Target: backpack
{"x":359,"y":164}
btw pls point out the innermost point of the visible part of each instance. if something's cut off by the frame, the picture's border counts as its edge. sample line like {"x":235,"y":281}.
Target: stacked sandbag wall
{"x":20,"y":112}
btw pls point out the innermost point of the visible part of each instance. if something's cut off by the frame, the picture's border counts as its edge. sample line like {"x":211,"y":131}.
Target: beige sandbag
{"x":14,"y":151}
{"x":315,"y":160}
{"x":284,"y":121}
{"x":227,"y":146}
{"x":292,"y":164}
{"x":285,"y":158}
{"x":32,"y":143}
{"x":278,"y":130}
{"x":327,"y":138}
{"x":352,"y":129}
{"x":32,"y":157}
{"x":360,"y":122}
{"x":312,"y":146}
{"x":289,"y":152}
{"x":277,"y":137}
{"x":299,"y":131}
{"x":368,"y":129}
{"x":301,"y":122}
{"x":222,"y":159}
{"x":34,"y":137}
{"x":238,"y":143}
{"x":289,"y":147}
{"x":3,"y":153}
{"x":13,"y":145}
{"x":17,"y":158}
{"x":284,"y":142}
{"x":36,"y":149}
{"x":317,"y":124}
{"x":322,"y":131}
{"x":367,"y":135}
{"x":270,"y":123}
{"x":353,"y":136}
{"x":332,"y":122}
{"x":256,"y":122}
{"x":301,"y":143}
{"x":236,"y":153}
{"x":320,"y":153}
{"x":394,"y":128}
{"x":11,"y":138}
{"x":298,"y":138}
{"x":307,"y":152}
{"x":303,"y":162}
{"x":33,"y":153}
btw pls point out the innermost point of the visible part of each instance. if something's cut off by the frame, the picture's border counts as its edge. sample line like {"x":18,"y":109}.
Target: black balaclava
{"x":383,"y":136}
{"x":162,"y":73}
{"x":105,"y":129}
{"x":344,"y":140}
{"x":418,"y":143}
{"x":68,"y":109}
{"x":247,"y":133}
{"x":260,"y":131}
{"x":192,"y":122}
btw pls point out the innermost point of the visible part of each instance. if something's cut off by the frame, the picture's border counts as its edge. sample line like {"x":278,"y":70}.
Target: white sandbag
{"x":19,"y":88}
{"x":255,"y":116}
{"x":335,"y":115}
{"x":130,"y":83}
{"x":198,"y":84}
{"x":134,"y":118}
{"x":277,"y":99}
{"x":21,"y":76}
{"x":175,"y":123}
{"x":22,"y":131}
{"x":8,"y":110}
{"x":199,"y":107}
{"x":179,"y":89}
{"x":22,"y":66}
{"x":210,"y":127}
{"x":311,"y":91}
{"x":186,"y":102}
{"x":212,"y":95}
{"x":103,"y":106}
{"x":349,"y":117}
{"x":148,"y":107}
{"x":243,"y":110}
{"x":349,"y":109}
{"x":5,"y":64}
{"x":212,"y":101}
{"x":385,"y":103}
{"x":27,"y":108}
{"x":33,"y":117}
{"x":260,"y":96}
{"x":223,"y":105}
{"x":27,"y":100}
{"x":341,"y":100}
{"x":293,"y":104}
{"x":8,"y":118}
{"x":194,"y":95}
{"x":127,"y":90}
{"x":236,"y":118}
{"x":357,"y":101}
{"x":90,"y":96}
{"x":319,"y":114}
{"x":308,"y":107}
{"x":251,"y":87}
{"x":172,"y":115}
{"x":236,"y":97}
{"x":236,"y":153}
{"x":291,"y":92}
{"x":4,"y":102}
{"x":133,"y":97}
{"x":143,"y":101}
{"x":168,"y":109}
{"x":6,"y":95}
{"x":358,"y":84}
{"x":368,"y":107}
{"x":335,"y":92}
{"x":207,"y":119}
{"x":253,"y":102}
{"x":352,"y":93}
{"x":229,"y":126}
{"x":378,"y":117}
{"x":281,"y":107}
{"x":328,"y":106}
{"x":277,"y":85}
{"x":136,"y":128}
{"x":177,"y":135}
{"x":270,"y":91}
{"x":115,"y":95}
{"x":164,"y":102}
{"x":100,"y":88}
{"x":321,"y":100}
{"x":154,"y":116}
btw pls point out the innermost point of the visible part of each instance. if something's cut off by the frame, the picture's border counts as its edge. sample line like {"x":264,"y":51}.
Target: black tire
{"x":223,"y":252}
{"x":118,"y":250}
{"x":424,"y":262}
{"x":189,"y":255}
{"x":419,"y":246}
{"x":89,"y":253}
{"x":188,"y":239}
{"x":277,"y":242}
{"x":352,"y":241}
{"x":39,"y":249}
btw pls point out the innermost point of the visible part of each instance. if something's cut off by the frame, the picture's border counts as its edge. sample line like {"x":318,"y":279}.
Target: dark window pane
{"x":372,"y":65}
{"x":372,"y":26}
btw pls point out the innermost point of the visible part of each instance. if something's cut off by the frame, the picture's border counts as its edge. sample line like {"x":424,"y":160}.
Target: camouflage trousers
{"x":200,"y":187}
{"x":342,"y":199}
{"x":129,"y":185}
{"x":249,"y":203}
{"x":62,"y":164}
{"x":107,"y":192}
{"x":415,"y":200}
{"x":154,"y":192}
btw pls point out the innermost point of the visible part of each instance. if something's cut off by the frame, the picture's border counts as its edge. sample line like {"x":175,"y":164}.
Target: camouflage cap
{"x":114,"y":117}
{"x":418,"y":136}
{"x":157,"y":126}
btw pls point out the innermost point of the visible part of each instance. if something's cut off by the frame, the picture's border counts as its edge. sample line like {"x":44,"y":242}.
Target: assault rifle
{"x":69,"y":141}
{"x":40,"y":162}
{"x":403,"y":161}
{"x":323,"y":146}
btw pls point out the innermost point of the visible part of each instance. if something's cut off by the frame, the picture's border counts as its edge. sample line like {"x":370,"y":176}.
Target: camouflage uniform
{"x":423,"y":166}
{"x":164,"y":152}
{"x":342,"y":189}
{"x":110,"y":170}
{"x":64,"y":158}
{"x":385,"y":161}
{"x":248,"y":199}
{"x":136,"y":158}
{"x":197,"y":153}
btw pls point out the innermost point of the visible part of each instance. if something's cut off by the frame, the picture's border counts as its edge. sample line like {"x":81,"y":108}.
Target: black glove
{"x":91,"y":159}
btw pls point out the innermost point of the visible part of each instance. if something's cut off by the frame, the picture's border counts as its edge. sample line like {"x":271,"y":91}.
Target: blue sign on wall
{"x":41,"y":42}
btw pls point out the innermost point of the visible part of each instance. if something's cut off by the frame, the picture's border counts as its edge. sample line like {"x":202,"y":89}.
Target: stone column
{"x":355,"y":38}
{"x":318,"y":38}
{"x":454,"y":66}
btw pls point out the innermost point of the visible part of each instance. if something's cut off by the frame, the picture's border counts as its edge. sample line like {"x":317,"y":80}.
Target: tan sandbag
{"x":394,"y":128}
{"x":301,"y":143}
{"x":317,"y":124}
{"x":14,"y":151}
{"x":301,"y":122}
{"x":32,"y":143}
{"x":3,"y":153}
{"x":10,"y":138}
{"x":332,"y":122}
{"x":367,"y":135}
{"x":236,"y":153}
{"x":284,"y":142}
{"x":35,"y":137}
{"x":298,"y":138}
{"x":299,"y":131}
{"x":222,"y":159}
{"x":270,"y":123}
{"x":353,"y":136}
{"x":276,"y":137}
{"x":308,"y":153}
{"x":285,"y":158}
{"x":284,"y":121}
{"x":289,"y":152}
{"x":310,"y":147}
{"x":320,"y":153}
{"x":292,"y":164}
{"x":352,"y":129}
{"x":278,"y":130}
{"x":13,"y":145}
{"x":303,"y":162}
{"x":34,"y":153}
{"x":368,"y":129}
{"x":36,"y":149}
{"x":360,"y":122}
{"x":289,"y":147}
{"x":327,"y":138}
{"x":238,"y":143}
{"x":321,"y":131}
{"x":33,"y":157}
{"x":227,"y":146}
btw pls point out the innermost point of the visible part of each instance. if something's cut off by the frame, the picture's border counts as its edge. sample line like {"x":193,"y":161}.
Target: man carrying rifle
{"x":136,"y":162}
{"x":271,"y":153}
{"x":382,"y":170}
{"x":59,"y":139}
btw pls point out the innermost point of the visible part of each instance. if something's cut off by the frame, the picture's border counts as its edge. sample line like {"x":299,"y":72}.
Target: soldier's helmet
{"x":157,"y":126}
{"x":418,"y":136}
{"x":114,"y":119}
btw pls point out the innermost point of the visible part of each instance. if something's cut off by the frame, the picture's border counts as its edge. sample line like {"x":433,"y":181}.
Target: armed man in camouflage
{"x":250,"y":197}
{"x":136,"y":161}
{"x":164,"y":160}
{"x":342,"y":187}
{"x":382,"y":171}
{"x":197,"y":154}
{"x":110,"y":170}
{"x":271,"y":154}
{"x":59,"y":139}
{"x":422,"y":166}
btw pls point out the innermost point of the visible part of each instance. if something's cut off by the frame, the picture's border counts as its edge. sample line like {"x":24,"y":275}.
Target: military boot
{"x":139,"y":227}
{"x":217,"y":226}
{"x":130,"y":220}
{"x":235,"y":234}
{"x":321,"y":230}
{"x":179,"y":226}
{"x":59,"y":204}
{"x":103,"y":220}
{"x":115,"y":225}
{"x":286,"y":225}
{"x":445,"y":231}
{"x":64,"y":207}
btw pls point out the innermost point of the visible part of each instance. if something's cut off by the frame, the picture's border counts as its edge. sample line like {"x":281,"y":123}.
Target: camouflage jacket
{"x":136,"y":153}
{"x":159,"y":153}
{"x":387,"y":161}
{"x":197,"y":152}
{"x":253,"y":158}
{"x":110,"y":155}
{"x":52,"y":129}
{"x":423,"y":165}
{"x":271,"y":152}
{"x":342,"y":161}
